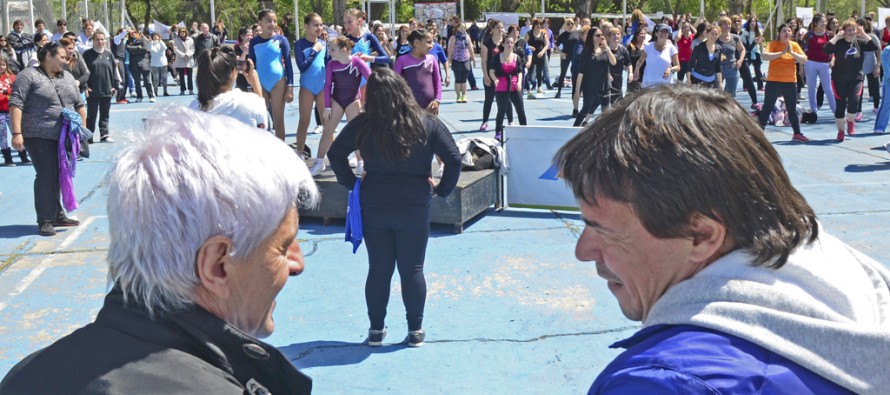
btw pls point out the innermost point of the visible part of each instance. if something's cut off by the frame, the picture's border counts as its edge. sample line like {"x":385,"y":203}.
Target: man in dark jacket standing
{"x":204,"y":40}
{"x":185,"y":318}
{"x":22,"y":43}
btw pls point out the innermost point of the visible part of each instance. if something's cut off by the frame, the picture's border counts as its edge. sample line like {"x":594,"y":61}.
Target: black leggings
{"x":504,"y":99}
{"x":47,"y":190}
{"x":847,"y":94}
{"x":773,"y":90}
{"x":185,"y":73}
{"x":563,"y":68}
{"x":874,"y":91}
{"x":615,"y":91}
{"x":142,"y":78}
{"x":748,"y":81}
{"x":489,"y":100}
{"x":592,"y":99}
{"x":539,"y":64}
{"x":758,"y":73}
{"x":684,"y":68}
{"x":396,"y":237}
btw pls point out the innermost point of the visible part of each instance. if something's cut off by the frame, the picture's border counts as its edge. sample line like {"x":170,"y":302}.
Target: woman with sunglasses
{"x":593,"y":74}
{"x":565,"y":43}
{"x":846,"y":76}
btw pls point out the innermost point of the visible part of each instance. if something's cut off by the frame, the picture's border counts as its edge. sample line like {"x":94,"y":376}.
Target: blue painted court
{"x":509,"y":309}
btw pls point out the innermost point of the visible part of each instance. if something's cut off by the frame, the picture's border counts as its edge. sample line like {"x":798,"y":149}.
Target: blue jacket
{"x":685,"y":359}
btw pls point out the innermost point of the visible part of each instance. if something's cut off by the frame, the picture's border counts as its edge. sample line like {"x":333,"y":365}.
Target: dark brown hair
{"x":676,"y":151}
{"x":392,"y":121}
{"x":215,"y":68}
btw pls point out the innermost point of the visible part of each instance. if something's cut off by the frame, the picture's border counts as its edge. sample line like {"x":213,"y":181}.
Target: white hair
{"x":191,"y":176}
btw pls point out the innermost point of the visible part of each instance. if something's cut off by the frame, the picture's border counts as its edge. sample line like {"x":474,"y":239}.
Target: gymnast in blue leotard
{"x":364,"y":43}
{"x":312,"y":57}
{"x":270,"y":52}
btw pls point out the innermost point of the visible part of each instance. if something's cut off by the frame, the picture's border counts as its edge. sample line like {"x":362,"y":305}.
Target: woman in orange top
{"x":783,"y":55}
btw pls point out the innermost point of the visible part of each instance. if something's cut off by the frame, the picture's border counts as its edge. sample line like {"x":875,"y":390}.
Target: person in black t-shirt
{"x":847,"y":76}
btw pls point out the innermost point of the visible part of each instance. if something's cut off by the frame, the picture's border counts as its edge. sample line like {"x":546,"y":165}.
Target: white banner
{"x":883,"y":13}
{"x":509,"y":18}
{"x":161,"y":29}
{"x":532,"y":181}
{"x":805,"y":13}
{"x":423,"y":12}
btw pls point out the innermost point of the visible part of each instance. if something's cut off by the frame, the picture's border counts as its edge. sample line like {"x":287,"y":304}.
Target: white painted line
{"x":45,"y":264}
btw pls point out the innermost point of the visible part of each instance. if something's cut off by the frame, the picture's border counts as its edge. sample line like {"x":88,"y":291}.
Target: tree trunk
{"x":583,"y":7}
{"x":735,"y":7}
{"x":317,"y":7}
{"x":339,"y":9}
{"x":147,"y":18}
{"x":510,"y":5}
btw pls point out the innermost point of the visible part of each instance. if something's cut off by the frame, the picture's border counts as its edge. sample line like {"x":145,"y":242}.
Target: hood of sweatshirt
{"x":827,"y":309}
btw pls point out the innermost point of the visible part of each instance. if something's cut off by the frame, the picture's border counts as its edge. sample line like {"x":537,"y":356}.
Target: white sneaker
{"x":152,"y":100}
{"x":887,"y":146}
{"x":360,"y":168}
{"x":318,"y":129}
{"x":317,"y":167}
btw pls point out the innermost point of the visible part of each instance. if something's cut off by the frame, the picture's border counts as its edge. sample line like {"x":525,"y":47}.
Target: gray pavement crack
{"x":310,"y":350}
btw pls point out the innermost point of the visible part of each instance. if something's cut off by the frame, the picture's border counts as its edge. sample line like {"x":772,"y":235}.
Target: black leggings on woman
{"x":563,"y":68}
{"x":47,"y":190}
{"x":489,"y":100}
{"x":758,"y":73}
{"x":847,"y":94}
{"x":185,"y":73}
{"x":592,"y":99}
{"x":539,"y":63}
{"x":504,"y":99}
{"x":748,"y":81}
{"x":396,"y":237}
{"x":788,"y":90}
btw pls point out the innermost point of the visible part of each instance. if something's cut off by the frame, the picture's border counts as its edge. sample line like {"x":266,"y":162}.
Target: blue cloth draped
{"x":69,"y":149}
{"x":354,"y":232}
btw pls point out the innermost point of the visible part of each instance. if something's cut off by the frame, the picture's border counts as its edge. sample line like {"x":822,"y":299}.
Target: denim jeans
{"x":821,"y":70}
{"x":730,"y":79}
{"x":884,"y":113}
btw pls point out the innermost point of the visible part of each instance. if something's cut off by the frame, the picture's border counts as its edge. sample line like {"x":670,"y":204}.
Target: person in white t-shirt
{"x":661,"y":59}
{"x":221,"y":65}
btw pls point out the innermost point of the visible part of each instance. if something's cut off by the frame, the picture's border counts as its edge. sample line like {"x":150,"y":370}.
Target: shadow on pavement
{"x":16,"y":231}
{"x":333,"y":353}
{"x":867,"y":168}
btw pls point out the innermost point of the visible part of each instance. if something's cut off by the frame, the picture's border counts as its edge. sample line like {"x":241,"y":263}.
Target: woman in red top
{"x":6,"y":80}
{"x":818,"y":63}
{"x":684,"y":48}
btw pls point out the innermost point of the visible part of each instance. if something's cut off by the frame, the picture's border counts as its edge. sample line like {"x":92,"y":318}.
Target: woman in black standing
{"x":493,"y":37}
{"x":593,"y":74}
{"x":397,"y":139}
{"x":101,"y":84}
{"x":140,"y":65}
{"x":846,"y":76}
{"x":35,"y":107}
{"x":566,"y":45}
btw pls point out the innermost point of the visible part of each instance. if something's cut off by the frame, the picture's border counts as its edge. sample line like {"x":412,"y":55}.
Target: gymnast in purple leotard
{"x":421,"y":71}
{"x":343,"y":77}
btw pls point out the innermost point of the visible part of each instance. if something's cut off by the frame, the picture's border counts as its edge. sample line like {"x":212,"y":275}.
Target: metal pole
{"x":392,"y":17}
{"x":31,"y":12}
{"x":86,"y":9}
{"x":701,"y":8}
{"x":297,"y":19}
{"x":862,"y":10}
{"x":123,"y":13}
{"x":64,"y":10}
{"x":212,"y":13}
{"x":624,"y":13}
{"x":107,"y":17}
{"x":462,"y":11}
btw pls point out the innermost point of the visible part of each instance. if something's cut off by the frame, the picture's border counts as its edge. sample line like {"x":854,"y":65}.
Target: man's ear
{"x":709,"y":240}
{"x":211,"y":265}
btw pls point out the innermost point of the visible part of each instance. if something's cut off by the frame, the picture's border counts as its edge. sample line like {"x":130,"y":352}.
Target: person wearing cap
{"x":661,"y":58}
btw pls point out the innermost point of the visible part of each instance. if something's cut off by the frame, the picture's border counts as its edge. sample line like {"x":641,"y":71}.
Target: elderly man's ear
{"x":213,"y":266}
{"x":710,"y":240}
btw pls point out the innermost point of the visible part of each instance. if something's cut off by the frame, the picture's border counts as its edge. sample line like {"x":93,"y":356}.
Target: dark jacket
{"x":126,"y":352}
{"x":140,"y":58}
{"x":79,"y":71}
{"x":701,"y":62}
{"x":204,"y":42}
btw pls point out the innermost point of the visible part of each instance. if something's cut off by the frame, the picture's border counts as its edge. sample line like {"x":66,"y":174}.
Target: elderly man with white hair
{"x":203,"y":223}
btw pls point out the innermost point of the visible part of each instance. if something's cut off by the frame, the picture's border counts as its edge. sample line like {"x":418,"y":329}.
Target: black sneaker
{"x":46,"y":229}
{"x":415,"y":338}
{"x":65,"y":221}
{"x":375,"y":337}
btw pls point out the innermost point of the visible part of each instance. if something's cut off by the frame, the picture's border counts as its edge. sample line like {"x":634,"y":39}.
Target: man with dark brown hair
{"x":693,"y":222}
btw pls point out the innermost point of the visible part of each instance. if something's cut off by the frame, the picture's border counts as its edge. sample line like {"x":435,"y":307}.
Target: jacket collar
{"x":640,"y":336}
{"x":252,"y":364}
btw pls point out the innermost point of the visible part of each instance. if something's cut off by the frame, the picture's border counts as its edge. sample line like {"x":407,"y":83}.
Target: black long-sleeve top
{"x":847,"y":62}
{"x":102,"y":77}
{"x":402,"y":182}
{"x":704,"y":63}
{"x":567,"y":41}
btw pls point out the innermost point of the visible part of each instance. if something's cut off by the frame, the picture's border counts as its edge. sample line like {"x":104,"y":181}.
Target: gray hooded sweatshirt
{"x":827,"y":309}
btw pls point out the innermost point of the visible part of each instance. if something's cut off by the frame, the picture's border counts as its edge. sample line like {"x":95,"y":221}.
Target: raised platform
{"x":476,"y":191}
